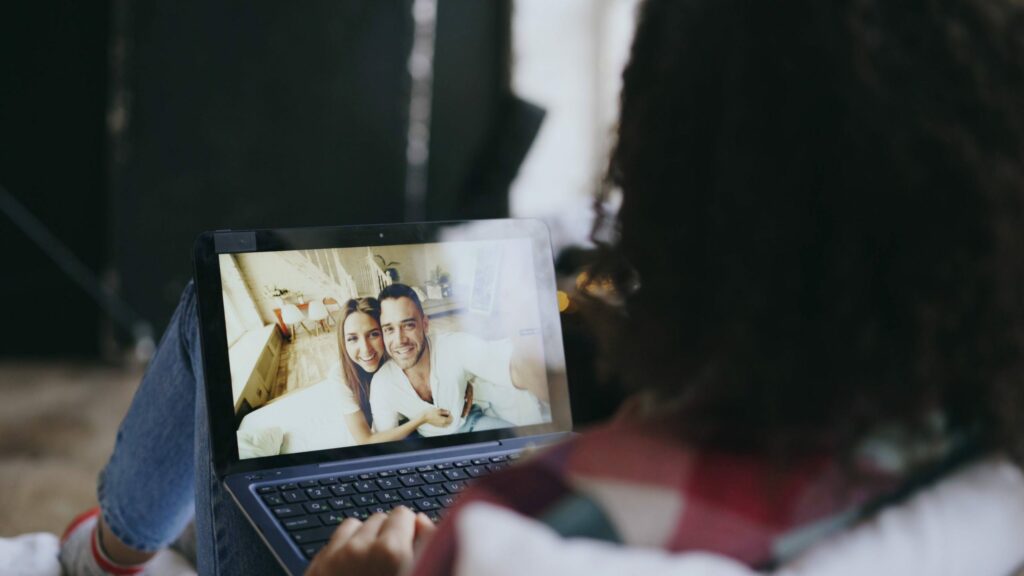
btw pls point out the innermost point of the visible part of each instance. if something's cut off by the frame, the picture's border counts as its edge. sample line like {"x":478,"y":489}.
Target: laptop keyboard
{"x":310,"y":510}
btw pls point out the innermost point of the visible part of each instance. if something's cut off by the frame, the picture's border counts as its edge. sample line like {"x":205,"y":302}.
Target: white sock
{"x":82,"y":554}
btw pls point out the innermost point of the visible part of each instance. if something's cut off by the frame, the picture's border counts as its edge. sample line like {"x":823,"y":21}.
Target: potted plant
{"x":388,"y":267}
{"x":277,"y":294}
{"x":440,"y":278}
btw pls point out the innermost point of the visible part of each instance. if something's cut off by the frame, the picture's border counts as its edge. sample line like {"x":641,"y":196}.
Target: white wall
{"x":568,"y":57}
{"x":240,"y":312}
{"x":291,"y":270}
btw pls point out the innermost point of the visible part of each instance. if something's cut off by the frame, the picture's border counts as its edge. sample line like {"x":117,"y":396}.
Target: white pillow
{"x":260,"y":442}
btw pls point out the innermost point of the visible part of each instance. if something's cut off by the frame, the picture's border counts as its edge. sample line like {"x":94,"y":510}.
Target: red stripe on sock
{"x":84,"y":516}
{"x":109,"y":566}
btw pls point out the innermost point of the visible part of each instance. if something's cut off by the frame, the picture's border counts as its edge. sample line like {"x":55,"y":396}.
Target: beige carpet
{"x":57,"y":427}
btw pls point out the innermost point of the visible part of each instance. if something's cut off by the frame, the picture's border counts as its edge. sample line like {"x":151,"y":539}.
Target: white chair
{"x":318,"y":313}
{"x":291,"y":315}
{"x":332,"y":309}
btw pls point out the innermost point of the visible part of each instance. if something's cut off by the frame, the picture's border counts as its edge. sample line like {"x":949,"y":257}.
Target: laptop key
{"x":316,"y":507}
{"x":379,"y":508}
{"x":289,"y":486}
{"x":447,"y":501}
{"x":454,"y":487}
{"x":496,"y":467}
{"x":332,"y":518}
{"x":404,"y":471}
{"x":343,"y":490}
{"x":435,"y":515}
{"x":433,"y":490}
{"x":427,"y":504}
{"x":442,"y":466}
{"x":366,"y":486}
{"x":477,"y":471}
{"x":287,"y":511}
{"x":300,"y":523}
{"x":328,"y":481}
{"x":293,"y":496}
{"x":318,"y":493}
{"x":358,"y":513}
{"x":321,"y":534}
{"x":455,"y":474}
{"x":364,"y":499}
{"x":479,"y":461}
{"x":434,"y":477}
{"x":341,"y":503}
{"x":266,"y":489}
{"x":462,"y":463}
{"x":388,"y":483}
{"x":411,"y":493}
{"x":348,"y":478}
{"x":386,"y":474}
{"x":367,"y":475}
{"x":310,"y":550}
{"x":273,"y":499}
{"x":388,"y":496}
{"x":308,"y":484}
{"x":499,"y":458}
{"x":425,"y":468}
{"x":411,"y":480}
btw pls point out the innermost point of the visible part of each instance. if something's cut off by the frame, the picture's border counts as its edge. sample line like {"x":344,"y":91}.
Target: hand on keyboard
{"x":380,"y":546}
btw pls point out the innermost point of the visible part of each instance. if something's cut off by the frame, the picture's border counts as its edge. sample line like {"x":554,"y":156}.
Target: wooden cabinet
{"x":255,"y":359}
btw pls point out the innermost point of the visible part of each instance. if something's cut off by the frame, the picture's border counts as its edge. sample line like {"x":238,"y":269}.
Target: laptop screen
{"x":335,"y":347}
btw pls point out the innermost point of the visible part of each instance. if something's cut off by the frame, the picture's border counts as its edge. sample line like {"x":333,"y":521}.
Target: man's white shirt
{"x":455,"y":359}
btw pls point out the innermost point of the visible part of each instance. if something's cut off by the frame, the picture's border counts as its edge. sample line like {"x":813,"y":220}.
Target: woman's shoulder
{"x":614,"y":453}
{"x":658,"y":491}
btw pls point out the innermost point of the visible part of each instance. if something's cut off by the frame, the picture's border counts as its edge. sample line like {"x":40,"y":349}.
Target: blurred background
{"x":129,"y":127}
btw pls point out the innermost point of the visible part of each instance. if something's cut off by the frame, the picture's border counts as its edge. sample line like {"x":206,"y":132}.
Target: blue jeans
{"x":478,"y":420}
{"x":160,"y":474}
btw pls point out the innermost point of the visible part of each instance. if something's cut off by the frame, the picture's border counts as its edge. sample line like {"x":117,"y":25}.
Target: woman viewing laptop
{"x":819,"y":292}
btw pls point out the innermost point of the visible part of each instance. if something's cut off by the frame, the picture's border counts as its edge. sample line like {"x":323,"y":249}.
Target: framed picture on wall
{"x":486,"y":274}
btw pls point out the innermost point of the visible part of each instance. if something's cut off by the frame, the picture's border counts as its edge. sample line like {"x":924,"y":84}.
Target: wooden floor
{"x":306,"y":360}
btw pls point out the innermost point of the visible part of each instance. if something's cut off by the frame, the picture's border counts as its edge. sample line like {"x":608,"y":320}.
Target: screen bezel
{"x":220,"y":407}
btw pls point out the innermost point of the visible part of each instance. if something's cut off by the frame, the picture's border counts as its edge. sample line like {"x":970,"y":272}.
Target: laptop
{"x":297,"y":445}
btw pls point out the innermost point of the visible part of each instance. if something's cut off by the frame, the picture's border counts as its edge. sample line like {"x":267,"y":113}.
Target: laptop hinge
{"x":375,"y":460}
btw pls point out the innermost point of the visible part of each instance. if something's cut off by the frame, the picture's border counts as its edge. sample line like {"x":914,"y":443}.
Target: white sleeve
{"x":348,"y":399}
{"x":490,"y":362}
{"x":968,"y":524}
{"x":385,"y":416}
{"x":488,"y":359}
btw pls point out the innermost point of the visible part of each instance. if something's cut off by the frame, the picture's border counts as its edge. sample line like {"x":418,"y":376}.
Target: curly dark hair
{"x":822,"y":218}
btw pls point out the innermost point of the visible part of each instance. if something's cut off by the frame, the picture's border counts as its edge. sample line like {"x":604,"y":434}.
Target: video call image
{"x":339,"y":347}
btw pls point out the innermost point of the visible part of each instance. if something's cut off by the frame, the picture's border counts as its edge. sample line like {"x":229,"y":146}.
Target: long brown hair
{"x":357,"y":379}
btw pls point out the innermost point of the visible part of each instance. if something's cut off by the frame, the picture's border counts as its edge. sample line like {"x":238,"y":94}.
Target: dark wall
{"x":481,"y":132}
{"x":470,"y":81}
{"x":52,"y":159}
{"x":269,"y":115}
{"x":258,"y":114}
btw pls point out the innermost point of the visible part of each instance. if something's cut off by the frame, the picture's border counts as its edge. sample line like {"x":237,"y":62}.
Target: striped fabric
{"x":657,"y":493}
